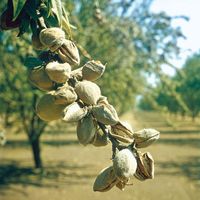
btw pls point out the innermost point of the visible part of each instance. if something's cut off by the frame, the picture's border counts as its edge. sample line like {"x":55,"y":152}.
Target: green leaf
{"x":66,"y":24}
{"x":45,"y":9}
{"x":34,"y":28}
{"x":31,"y":9}
{"x":48,"y":4}
{"x":31,"y":62}
{"x":17,"y":7}
{"x":52,"y":21}
{"x":24,"y":26}
{"x":56,"y":7}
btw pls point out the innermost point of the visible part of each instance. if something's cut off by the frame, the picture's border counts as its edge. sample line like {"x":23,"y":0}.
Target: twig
{"x":41,"y":23}
{"x":115,"y":143}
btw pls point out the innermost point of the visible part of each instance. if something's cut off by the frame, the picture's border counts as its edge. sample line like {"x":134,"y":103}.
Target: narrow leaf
{"x":65,"y":23}
{"x":48,"y":4}
{"x":56,"y":6}
{"x":17,"y":7}
{"x":84,"y":52}
{"x":52,"y":21}
{"x":24,"y":26}
{"x":31,"y":62}
{"x":31,"y":10}
{"x":33,"y":27}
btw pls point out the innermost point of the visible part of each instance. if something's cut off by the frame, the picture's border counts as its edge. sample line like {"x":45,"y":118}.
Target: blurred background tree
{"x":190,"y":84}
{"x":17,"y":97}
{"x":178,"y":94}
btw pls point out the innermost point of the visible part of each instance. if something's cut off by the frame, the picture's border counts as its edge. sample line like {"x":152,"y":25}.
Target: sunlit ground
{"x":70,"y":169}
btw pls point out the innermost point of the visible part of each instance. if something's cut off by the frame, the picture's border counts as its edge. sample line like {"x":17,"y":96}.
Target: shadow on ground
{"x":193,"y":142}
{"x":189,"y":168}
{"x":180,"y":131}
{"x":51,"y":176}
{"x":25,"y":144}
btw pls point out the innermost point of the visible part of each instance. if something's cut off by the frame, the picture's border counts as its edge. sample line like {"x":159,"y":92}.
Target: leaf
{"x":17,"y":7}
{"x":45,"y":8}
{"x":33,"y":27}
{"x":66,"y":24}
{"x":56,"y":6}
{"x":84,"y":52}
{"x":66,"y":27}
{"x":31,"y":9}
{"x":24,"y":26}
{"x":48,"y":4}
{"x":52,"y":21}
{"x":31,"y":62}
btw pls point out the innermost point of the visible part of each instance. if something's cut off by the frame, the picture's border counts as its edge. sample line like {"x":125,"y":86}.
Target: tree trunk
{"x":35,"y":145}
{"x":194,"y":115}
{"x":7,"y":117}
{"x":183,"y":115}
{"x":193,"y":118}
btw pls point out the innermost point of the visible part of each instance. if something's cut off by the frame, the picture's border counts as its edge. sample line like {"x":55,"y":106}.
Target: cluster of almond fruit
{"x":73,"y":96}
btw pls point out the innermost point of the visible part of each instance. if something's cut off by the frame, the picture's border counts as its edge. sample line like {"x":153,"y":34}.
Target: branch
{"x":115,"y":143}
{"x":41,"y":23}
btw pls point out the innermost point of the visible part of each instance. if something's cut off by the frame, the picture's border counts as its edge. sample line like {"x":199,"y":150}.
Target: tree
{"x":190,"y":84}
{"x":17,"y":97}
{"x":180,"y":93}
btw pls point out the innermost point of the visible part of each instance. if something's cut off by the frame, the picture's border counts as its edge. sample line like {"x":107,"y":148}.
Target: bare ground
{"x":70,"y":169}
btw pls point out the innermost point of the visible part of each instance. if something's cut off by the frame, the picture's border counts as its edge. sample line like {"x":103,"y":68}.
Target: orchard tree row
{"x":179,"y":94}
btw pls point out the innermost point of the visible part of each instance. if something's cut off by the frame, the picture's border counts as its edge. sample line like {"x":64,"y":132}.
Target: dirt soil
{"x":70,"y":168}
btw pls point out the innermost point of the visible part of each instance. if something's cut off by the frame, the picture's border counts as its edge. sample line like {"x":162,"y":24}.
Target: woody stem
{"x":115,"y":143}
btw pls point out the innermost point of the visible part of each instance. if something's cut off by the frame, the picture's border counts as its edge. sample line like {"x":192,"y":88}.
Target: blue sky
{"x":191,"y":30}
